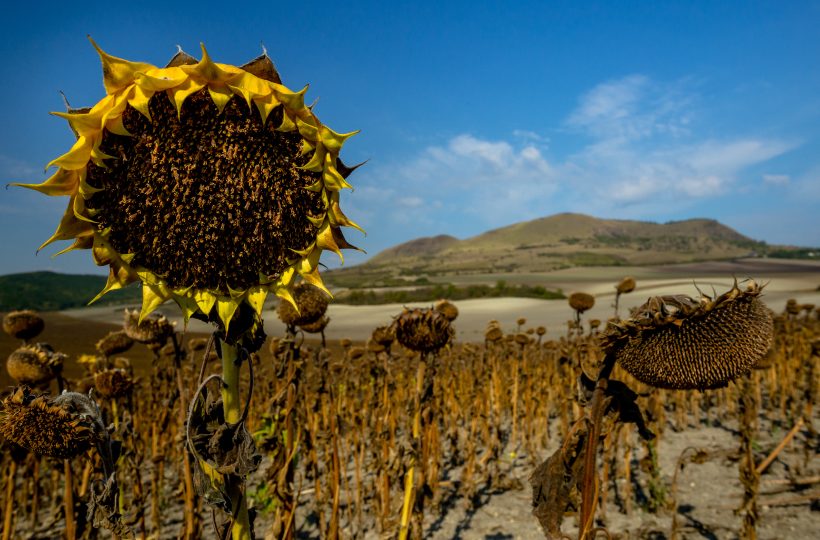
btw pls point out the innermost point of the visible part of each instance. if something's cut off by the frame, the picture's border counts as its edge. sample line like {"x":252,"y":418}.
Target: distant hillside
{"x":554,"y":242}
{"x":50,"y":291}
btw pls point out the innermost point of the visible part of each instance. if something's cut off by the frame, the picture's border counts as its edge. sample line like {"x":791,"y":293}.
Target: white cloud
{"x":776,"y":179}
{"x":643,"y":149}
{"x":638,"y":155}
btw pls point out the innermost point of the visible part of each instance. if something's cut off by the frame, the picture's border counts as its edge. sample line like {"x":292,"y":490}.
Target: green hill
{"x":50,"y":291}
{"x":551,"y":243}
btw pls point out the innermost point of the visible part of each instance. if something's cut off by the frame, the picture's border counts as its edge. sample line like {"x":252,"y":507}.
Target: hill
{"x":553,"y":242}
{"x":50,"y":291}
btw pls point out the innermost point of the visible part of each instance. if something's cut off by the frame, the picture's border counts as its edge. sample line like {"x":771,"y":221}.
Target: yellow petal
{"x":186,"y":304}
{"x":161,"y":79}
{"x":317,"y":161}
{"x":207,"y":70}
{"x":205,"y":300}
{"x":287,"y":123}
{"x":153,"y":296}
{"x":266,"y":105}
{"x":83,"y":123}
{"x":226,"y":307}
{"x":308,"y":131}
{"x":115,"y":126}
{"x":332,"y":140}
{"x":63,"y":182}
{"x":139,"y":99}
{"x":180,"y":93}
{"x":220,"y":94}
{"x":118,"y":73}
{"x":338,"y":219}
{"x":333,"y":180}
{"x":70,"y":227}
{"x":256,"y":298}
{"x":77,"y":157}
{"x":315,"y":279}
{"x":81,"y":242}
{"x":117,"y":279}
{"x":295,"y":101}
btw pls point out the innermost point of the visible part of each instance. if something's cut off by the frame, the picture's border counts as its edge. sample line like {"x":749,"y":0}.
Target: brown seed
{"x":682,"y":343}
{"x":25,"y":324}
{"x":541,"y":330}
{"x":205,"y":198}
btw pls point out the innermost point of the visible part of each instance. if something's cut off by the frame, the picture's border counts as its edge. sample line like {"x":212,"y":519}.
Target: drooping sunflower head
{"x":447,"y":308}
{"x":683,"y":343}
{"x":581,"y":301}
{"x":626,"y":285}
{"x":153,"y":330}
{"x":423,"y":330}
{"x":24,"y":324}
{"x":113,"y":383}
{"x":212,"y":184}
{"x":308,"y":305}
{"x":114,"y":343}
{"x":35,"y":364}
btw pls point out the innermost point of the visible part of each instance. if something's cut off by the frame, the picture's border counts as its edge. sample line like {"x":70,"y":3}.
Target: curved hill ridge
{"x":560,"y":241}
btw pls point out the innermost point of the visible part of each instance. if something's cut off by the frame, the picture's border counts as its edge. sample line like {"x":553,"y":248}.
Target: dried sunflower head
{"x":423,"y":330}
{"x":152,"y":330}
{"x":114,"y":343}
{"x":493,"y":332}
{"x":113,"y":383}
{"x":63,"y":427}
{"x":684,"y":343}
{"x":626,"y":285}
{"x":448,"y":309}
{"x":581,"y":302}
{"x":383,"y":335}
{"x":316,"y":326}
{"x":211,"y":184}
{"x":35,"y":364}
{"x":25,"y":324}
{"x":308,"y":305}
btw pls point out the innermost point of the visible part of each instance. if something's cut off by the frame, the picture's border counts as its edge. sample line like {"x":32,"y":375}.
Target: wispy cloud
{"x":776,"y":179}
{"x":644,"y":146}
{"x":639,"y":152}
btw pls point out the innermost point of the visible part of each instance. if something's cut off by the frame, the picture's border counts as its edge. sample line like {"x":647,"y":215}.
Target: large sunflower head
{"x":213,"y":185}
{"x":685,"y":343}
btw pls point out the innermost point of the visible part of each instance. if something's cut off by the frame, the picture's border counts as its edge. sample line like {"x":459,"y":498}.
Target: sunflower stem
{"x":232,"y":409}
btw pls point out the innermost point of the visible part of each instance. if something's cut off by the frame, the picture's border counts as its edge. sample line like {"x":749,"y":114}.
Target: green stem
{"x":232,"y":409}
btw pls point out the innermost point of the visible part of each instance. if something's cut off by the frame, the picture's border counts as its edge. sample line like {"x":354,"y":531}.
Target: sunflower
{"x":685,"y":343}
{"x":213,"y":185}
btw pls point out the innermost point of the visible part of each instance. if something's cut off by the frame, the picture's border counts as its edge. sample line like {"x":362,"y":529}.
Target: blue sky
{"x":473,"y":115}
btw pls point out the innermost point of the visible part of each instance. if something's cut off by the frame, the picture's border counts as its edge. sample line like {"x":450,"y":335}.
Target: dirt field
{"x":708,"y":493}
{"x":786,"y":279}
